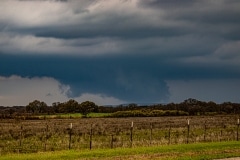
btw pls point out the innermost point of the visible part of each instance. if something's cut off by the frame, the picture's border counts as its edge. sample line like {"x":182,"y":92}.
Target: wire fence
{"x":60,"y":134}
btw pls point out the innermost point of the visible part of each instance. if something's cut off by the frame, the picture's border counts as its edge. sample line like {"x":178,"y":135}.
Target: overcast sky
{"x":119,"y":51}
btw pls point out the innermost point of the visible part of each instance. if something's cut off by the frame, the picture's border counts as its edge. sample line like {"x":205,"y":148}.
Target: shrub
{"x":149,"y":113}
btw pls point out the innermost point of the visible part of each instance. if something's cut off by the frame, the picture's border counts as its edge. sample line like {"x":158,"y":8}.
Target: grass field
{"x":195,"y":151}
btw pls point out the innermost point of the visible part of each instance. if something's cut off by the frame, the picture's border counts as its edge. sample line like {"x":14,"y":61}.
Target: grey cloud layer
{"x":74,"y":22}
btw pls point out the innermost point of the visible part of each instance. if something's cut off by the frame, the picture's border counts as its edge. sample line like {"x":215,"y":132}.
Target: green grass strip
{"x":182,"y":152}
{"x":71,"y":115}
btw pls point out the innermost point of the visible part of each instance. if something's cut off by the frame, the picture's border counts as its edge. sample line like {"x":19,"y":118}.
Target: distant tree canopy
{"x":36,"y":107}
{"x":87,"y":107}
{"x":189,"y":107}
{"x":73,"y":106}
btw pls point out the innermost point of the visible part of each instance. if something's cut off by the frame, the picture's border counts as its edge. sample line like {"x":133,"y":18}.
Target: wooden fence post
{"x":238,"y":123}
{"x":221,"y":133}
{"x":70,"y":136}
{"x":188,"y":130}
{"x":90,"y":143}
{"x":205,"y":132}
{"x":131,"y":134}
{"x":169,"y":135}
{"x":45,"y":145}
{"x":151,"y":128}
{"x":111,"y":141}
{"x":20,"y":143}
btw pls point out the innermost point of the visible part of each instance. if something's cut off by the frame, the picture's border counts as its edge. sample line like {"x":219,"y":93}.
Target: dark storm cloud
{"x":96,"y":30}
{"x":126,"y":78}
{"x":167,"y":3}
{"x":132,"y":78}
{"x":110,"y":25}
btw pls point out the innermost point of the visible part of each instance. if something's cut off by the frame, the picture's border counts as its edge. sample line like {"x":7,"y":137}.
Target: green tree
{"x":71,"y":106}
{"x":55,"y":106}
{"x":87,"y":107}
{"x":36,"y":107}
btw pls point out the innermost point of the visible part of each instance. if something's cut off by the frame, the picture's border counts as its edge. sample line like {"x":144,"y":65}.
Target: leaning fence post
{"x":70,"y":135}
{"x":238,"y":123}
{"x":188,"y":130}
{"x":131,"y":134}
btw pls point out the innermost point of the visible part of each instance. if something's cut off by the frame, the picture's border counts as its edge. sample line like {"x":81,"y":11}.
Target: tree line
{"x":188,"y":107}
{"x":71,"y":106}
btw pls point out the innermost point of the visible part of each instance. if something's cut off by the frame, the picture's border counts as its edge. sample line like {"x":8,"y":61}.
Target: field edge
{"x":213,"y":150}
